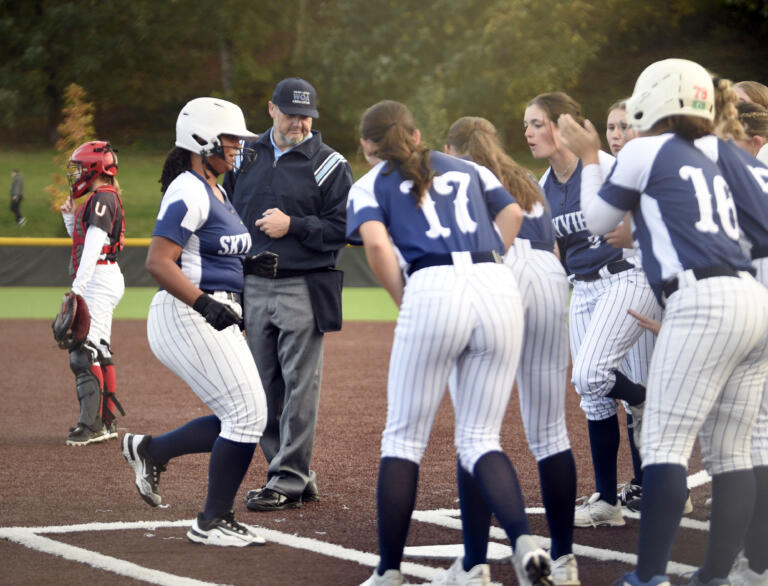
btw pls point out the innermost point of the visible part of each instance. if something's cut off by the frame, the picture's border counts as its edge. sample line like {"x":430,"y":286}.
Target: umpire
{"x":291,"y":192}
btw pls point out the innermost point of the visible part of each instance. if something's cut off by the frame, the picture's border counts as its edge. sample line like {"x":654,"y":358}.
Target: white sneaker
{"x":479,"y":575}
{"x":148,"y":471}
{"x":565,"y":571}
{"x":742,"y":575}
{"x":390,"y":578}
{"x":598,"y":513}
{"x":532,"y":564}
{"x":223,"y":531}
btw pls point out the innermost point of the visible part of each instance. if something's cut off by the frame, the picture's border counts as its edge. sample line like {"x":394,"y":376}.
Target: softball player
{"x":196,"y":255}
{"x":460,"y":308}
{"x":97,"y":227}
{"x":711,"y":357}
{"x":748,"y":179}
{"x":610,"y":352}
{"x":542,"y":374}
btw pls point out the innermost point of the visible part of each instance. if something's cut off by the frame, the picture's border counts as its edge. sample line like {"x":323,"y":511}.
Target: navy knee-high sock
{"x":604,"y":441}
{"x":226,"y":469}
{"x":733,"y":499}
{"x":664,"y":494}
{"x":194,"y":437}
{"x":497,"y":479}
{"x":396,"y":497}
{"x":475,"y":519}
{"x":637,"y":464}
{"x":557,"y":475}
{"x":756,"y":540}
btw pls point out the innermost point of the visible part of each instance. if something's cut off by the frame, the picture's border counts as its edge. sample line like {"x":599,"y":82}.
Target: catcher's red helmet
{"x":88,"y":162}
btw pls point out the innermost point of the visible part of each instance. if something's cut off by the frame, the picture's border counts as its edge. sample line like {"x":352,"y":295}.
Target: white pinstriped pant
{"x":543,"y":370}
{"x":760,"y":433}
{"x":102,"y":294}
{"x":217,"y":365}
{"x":604,"y":337}
{"x":464,"y":315}
{"x":707,"y":373}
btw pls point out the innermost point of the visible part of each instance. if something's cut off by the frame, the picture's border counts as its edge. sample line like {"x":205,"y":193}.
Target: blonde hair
{"x":754,"y":118}
{"x":755,"y":91}
{"x":389,"y":125}
{"x":727,"y":124}
{"x":619,"y":105}
{"x":477,"y":138}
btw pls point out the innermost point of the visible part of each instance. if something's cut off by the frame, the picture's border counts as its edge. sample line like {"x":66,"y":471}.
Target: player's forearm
{"x":509,"y":221}
{"x":161,"y":264}
{"x":384,"y":265}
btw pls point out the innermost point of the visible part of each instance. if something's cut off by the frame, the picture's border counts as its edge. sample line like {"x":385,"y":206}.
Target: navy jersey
{"x":213,"y":237}
{"x":683,"y":210}
{"x":748,"y":180}
{"x":455,"y":215}
{"x":537,"y":226}
{"x":581,"y":251}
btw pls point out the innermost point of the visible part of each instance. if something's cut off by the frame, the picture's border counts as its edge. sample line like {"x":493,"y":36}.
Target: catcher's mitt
{"x":72,"y":323}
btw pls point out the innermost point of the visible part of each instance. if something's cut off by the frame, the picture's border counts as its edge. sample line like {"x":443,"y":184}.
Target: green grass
{"x":139,"y":174}
{"x":359,"y":303}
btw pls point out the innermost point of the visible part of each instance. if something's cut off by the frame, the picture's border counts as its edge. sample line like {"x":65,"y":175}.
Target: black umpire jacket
{"x":310,"y":183}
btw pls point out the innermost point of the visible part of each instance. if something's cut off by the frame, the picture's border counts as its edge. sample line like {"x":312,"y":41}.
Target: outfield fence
{"x":44,"y":262}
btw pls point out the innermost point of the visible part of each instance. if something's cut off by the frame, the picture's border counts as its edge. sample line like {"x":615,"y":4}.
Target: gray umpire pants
{"x":288,"y":350}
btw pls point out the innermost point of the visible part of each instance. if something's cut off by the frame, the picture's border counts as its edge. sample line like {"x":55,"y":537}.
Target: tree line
{"x":140,"y":60}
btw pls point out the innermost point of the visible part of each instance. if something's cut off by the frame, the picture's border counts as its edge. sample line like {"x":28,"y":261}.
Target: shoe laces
{"x":229,"y":519}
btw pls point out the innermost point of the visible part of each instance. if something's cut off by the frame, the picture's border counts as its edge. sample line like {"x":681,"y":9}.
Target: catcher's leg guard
{"x":109,"y":402}
{"x":88,"y":381}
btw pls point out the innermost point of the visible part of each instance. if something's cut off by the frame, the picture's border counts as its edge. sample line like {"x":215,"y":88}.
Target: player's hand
{"x":218,"y":314}
{"x":621,"y":236}
{"x":646,"y":322}
{"x":68,"y":207}
{"x":274,"y":223}
{"x":582,"y":142}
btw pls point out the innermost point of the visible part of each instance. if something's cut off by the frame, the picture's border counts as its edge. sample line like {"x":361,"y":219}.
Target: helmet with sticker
{"x":668,"y":88}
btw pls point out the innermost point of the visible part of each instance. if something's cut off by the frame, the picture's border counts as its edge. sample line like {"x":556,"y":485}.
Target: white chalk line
{"x":32,"y":537}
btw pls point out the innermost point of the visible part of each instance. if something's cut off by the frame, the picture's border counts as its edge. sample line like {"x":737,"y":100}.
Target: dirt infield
{"x":78,"y":518}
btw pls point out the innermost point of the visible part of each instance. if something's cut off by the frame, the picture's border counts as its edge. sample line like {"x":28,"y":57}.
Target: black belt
{"x":231,"y":295}
{"x":433,"y":260}
{"x":759,"y":252}
{"x":703,"y":273}
{"x":614,"y":267}
{"x":539,"y":245}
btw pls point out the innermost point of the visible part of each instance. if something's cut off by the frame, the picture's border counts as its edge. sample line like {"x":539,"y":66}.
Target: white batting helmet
{"x":670,"y":87}
{"x":202,"y":120}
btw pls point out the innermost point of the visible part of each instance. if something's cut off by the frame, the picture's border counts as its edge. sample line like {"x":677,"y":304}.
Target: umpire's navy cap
{"x":295,"y":96}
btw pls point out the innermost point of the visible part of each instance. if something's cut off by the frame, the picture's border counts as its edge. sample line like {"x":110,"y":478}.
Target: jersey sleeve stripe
{"x":327,"y":166}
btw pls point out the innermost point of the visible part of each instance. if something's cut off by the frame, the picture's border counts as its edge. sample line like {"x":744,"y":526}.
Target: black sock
{"x":496,"y":477}
{"x":604,"y":445}
{"x":637,"y":464}
{"x":228,"y":464}
{"x":475,"y":519}
{"x":395,"y":499}
{"x":756,"y":540}
{"x":733,"y":498}
{"x":664,"y":494}
{"x":557,"y":475}
{"x":194,"y":437}
{"x":626,"y":390}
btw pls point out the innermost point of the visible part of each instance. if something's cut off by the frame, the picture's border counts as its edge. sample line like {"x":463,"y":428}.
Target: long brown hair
{"x":557,"y":103}
{"x":476,"y":138}
{"x":389,"y":125}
